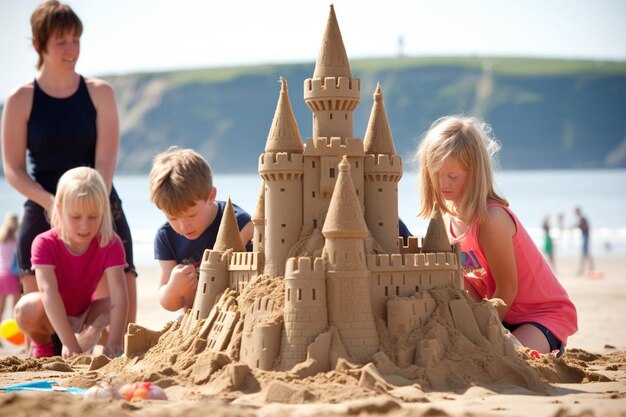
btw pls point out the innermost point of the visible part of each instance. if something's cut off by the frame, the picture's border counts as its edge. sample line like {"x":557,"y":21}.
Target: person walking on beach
{"x":501,"y":260}
{"x":585,"y":256}
{"x":69,"y":261}
{"x":63,"y":120}
{"x":9,"y":279}
{"x":548,"y":243}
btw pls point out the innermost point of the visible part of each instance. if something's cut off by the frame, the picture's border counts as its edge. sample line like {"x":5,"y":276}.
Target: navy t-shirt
{"x":169,"y":245}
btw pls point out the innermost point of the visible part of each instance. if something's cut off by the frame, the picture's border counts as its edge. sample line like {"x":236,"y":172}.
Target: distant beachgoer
{"x":70,"y":260}
{"x":585,"y":228}
{"x":548,"y":244}
{"x":61,"y":120}
{"x":9,"y":279}
{"x":502,"y":261}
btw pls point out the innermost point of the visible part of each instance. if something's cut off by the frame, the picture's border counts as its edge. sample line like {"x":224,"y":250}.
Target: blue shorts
{"x":553,"y":341}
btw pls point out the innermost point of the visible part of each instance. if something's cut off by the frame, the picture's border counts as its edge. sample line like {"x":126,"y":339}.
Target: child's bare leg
{"x":532,"y":337}
{"x":31,"y":318}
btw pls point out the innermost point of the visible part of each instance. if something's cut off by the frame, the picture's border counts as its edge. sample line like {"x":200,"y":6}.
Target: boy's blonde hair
{"x":179,"y":178}
{"x":469,"y":141}
{"x":52,"y":18}
{"x":82,"y":188}
{"x":8,"y":230}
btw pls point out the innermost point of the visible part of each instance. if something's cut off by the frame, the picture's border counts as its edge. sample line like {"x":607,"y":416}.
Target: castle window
{"x":346,"y":116}
{"x":357,"y":191}
{"x":313,"y":194}
{"x":357,"y":164}
{"x":314,"y":223}
{"x":204,"y":288}
{"x":380,"y":224}
{"x":299,"y":294}
{"x":212,"y":279}
{"x":331,"y":116}
{"x":397,"y":290}
{"x":283,"y":225}
{"x":197,"y":314}
{"x":313,"y":291}
{"x":378,"y":280}
{"x":282,"y":241}
{"x":380,"y":190}
{"x":386,"y":291}
{"x":332,"y":173}
{"x":289,"y":294}
{"x":282,"y":190}
{"x":312,"y":164}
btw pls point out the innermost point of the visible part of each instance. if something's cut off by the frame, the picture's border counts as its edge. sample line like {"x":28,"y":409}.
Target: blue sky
{"x":123,"y":36}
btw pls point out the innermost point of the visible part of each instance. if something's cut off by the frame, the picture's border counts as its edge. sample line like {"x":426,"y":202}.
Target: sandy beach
{"x":590,"y":380}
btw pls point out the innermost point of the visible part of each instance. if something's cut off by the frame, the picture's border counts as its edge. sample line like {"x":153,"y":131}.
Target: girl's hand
{"x":113,"y":350}
{"x":66,"y":352}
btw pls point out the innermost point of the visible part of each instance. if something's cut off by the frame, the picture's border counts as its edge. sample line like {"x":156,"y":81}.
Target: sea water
{"x":532,"y":194}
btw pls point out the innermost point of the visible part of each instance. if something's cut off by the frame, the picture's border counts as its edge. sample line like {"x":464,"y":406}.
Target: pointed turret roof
{"x":378,"y":139}
{"x":228,"y":236}
{"x":284,"y":135}
{"x":436,"y":239}
{"x":332,"y":60}
{"x":259,"y":212}
{"x":344,"y":217}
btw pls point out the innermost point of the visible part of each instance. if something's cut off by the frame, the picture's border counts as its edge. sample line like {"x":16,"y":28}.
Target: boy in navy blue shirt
{"x":181,"y":186}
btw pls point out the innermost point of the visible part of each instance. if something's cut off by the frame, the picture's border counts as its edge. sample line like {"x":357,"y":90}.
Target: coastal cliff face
{"x":548,"y":114}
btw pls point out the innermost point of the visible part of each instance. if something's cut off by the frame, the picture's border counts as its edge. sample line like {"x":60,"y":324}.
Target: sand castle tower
{"x":332,"y":94}
{"x":281,"y":167}
{"x":383,"y":170}
{"x":348,"y":277}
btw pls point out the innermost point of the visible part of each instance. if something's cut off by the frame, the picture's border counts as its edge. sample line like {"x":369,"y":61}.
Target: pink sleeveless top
{"x":540,"y":297}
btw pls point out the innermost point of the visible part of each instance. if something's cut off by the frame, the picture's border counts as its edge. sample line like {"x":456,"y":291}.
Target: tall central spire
{"x":332,"y":60}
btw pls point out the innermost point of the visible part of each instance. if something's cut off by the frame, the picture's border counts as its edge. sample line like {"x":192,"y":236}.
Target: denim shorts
{"x":553,"y":341}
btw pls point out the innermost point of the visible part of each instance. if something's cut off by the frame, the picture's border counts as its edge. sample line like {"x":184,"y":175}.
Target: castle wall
{"x":306,"y":312}
{"x":404,"y":275}
{"x":282,"y":173}
{"x":407,"y":314}
{"x":260,"y":341}
{"x":382,"y":174}
{"x":243,"y":267}
{"x":321,"y":169}
{"x":332,"y":101}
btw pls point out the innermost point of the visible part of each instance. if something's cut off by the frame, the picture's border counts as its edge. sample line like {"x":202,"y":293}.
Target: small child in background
{"x":9,"y":279}
{"x":548,"y":243}
{"x":69,"y":261}
{"x":500,"y":259}
{"x":181,"y":186}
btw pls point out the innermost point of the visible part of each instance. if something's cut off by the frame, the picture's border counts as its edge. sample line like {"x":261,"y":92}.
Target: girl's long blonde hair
{"x":82,"y":188}
{"x":8,"y":230}
{"x":469,"y":141}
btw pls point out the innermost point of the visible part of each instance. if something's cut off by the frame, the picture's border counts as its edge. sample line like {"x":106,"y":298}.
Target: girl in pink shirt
{"x":69,"y":261}
{"x":499,"y":258}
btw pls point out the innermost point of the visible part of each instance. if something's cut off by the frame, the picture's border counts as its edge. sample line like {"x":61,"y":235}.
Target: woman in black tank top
{"x":60,"y":121}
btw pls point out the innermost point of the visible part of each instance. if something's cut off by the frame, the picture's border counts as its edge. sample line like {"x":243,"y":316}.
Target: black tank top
{"x":61,"y":134}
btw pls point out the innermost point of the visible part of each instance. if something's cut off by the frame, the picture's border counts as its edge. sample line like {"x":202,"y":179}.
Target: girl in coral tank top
{"x":499,"y":259}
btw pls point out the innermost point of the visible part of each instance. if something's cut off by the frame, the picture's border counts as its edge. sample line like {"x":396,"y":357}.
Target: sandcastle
{"x":326,"y":226}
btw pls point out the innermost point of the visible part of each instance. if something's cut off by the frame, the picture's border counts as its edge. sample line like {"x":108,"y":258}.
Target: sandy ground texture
{"x":590,"y":380}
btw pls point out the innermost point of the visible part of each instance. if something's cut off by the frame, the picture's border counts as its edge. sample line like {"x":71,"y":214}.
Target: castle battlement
{"x":383,"y":164}
{"x":280,"y":161}
{"x":297,"y":267}
{"x":245,"y":261}
{"x":334,"y":146}
{"x":332,"y":87}
{"x":412,"y":261}
{"x":211,"y":257}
